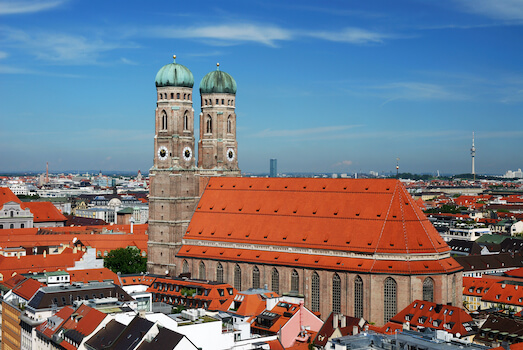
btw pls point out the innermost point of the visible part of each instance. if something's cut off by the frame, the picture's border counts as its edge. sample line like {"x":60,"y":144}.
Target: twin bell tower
{"x":177,"y":178}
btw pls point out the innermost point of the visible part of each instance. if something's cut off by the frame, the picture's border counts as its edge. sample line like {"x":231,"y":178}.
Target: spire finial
{"x":218,"y":66}
{"x":174,"y":58}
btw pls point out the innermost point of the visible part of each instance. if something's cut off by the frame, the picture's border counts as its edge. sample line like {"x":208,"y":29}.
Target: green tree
{"x":125,"y":260}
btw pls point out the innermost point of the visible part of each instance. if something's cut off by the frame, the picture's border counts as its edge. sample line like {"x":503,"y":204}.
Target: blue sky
{"x":330,"y":86}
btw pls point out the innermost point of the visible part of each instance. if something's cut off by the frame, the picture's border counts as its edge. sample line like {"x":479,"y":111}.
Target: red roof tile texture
{"x":339,"y":214}
{"x":52,"y":325}
{"x":6,"y":195}
{"x":26,"y":289}
{"x":478,"y":287}
{"x":436,"y":316}
{"x":361,"y":216}
{"x":45,"y":212}
{"x":38,"y":263}
{"x":88,"y":275}
{"x":90,"y":236}
{"x":505,"y":292}
{"x":85,"y":320}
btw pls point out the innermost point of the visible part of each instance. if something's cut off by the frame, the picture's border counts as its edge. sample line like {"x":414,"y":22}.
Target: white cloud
{"x":10,"y":7}
{"x":409,"y":90}
{"x":270,"y":35}
{"x":3,"y":55}
{"x":497,"y":9}
{"x":351,"y":36}
{"x":127,"y":61}
{"x":60,"y":47}
{"x":267,"y":35}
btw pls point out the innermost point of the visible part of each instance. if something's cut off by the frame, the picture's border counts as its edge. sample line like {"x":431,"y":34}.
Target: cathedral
{"x":361,"y":247}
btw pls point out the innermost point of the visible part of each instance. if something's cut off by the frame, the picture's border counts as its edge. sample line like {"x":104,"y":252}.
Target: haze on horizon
{"x":344,"y":87}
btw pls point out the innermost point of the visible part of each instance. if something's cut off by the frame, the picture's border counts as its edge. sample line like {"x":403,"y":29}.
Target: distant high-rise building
{"x":274,"y":168}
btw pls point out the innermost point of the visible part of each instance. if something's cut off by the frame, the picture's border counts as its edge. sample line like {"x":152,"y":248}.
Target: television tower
{"x":473,"y":154}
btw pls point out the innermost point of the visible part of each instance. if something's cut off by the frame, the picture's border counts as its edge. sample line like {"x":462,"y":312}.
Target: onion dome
{"x":174,"y":74}
{"x":217,"y":82}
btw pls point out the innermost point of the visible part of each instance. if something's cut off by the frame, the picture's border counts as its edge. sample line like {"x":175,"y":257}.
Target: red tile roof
{"x":211,"y":296}
{"x":38,"y":263}
{"x":436,"y":316}
{"x":85,"y":320}
{"x":478,"y":287}
{"x":26,"y":289}
{"x":13,"y":281}
{"x":6,"y":195}
{"x":45,"y":212}
{"x":309,"y":213}
{"x":90,"y":236}
{"x":53,"y":324}
{"x":251,"y":304}
{"x":87,"y":275}
{"x":313,"y":212}
{"x":321,"y":261}
{"x":515,"y":272}
{"x":138,"y":279}
{"x":505,"y":292}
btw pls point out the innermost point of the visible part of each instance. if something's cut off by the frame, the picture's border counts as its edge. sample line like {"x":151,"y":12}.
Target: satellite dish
{"x":458,"y":335}
{"x":75,"y":239}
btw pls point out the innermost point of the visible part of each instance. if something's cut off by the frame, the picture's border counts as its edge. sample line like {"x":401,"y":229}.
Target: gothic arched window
{"x":358,"y":297}
{"x":219,"y":273}
{"x":164,"y":120}
{"x":428,"y":289}
{"x":315,"y":292}
{"x":185,"y":267}
{"x":389,"y":299}
{"x":237,"y":277}
{"x":275,"y":281}
{"x":256,"y":277}
{"x":229,"y":125}
{"x":295,"y":281}
{"x":185,"y":121}
{"x":336,"y":293}
{"x":201,"y":272}
{"x":208,"y":124}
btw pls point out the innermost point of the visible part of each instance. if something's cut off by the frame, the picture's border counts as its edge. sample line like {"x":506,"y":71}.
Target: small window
{"x":172,"y":95}
{"x":223,"y":101}
{"x":178,"y":96}
{"x":217,"y":101}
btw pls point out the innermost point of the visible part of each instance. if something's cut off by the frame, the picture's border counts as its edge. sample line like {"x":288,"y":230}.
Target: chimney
{"x":335,"y":319}
{"x":354,"y":330}
{"x":45,"y":253}
{"x":74,"y":250}
{"x":343,"y":321}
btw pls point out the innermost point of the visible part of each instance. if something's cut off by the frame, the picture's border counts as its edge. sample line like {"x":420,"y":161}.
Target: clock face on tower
{"x":162,"y":153}
{"x":230,"y":154}
{"x":187,"y":153}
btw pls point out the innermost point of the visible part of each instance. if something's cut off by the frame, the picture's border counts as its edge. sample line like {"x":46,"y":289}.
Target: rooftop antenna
{"x":47,"y":172}
{"x":397,"y":167}
{"x":473,"y":154}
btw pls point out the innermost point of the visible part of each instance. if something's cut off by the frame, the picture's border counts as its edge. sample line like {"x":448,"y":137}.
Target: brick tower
{"x":217,"y":147}
{"x":174,"y":187}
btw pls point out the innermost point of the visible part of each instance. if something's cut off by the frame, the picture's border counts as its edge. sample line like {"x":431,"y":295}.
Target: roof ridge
{"x":383,"y":227}
{"x":424,"y":230}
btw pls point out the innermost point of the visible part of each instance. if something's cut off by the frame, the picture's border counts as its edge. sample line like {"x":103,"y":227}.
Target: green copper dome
{"x":174,"y":74}
{"x":217,"y":82}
